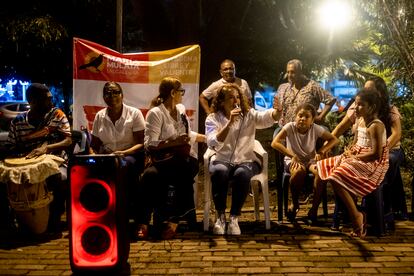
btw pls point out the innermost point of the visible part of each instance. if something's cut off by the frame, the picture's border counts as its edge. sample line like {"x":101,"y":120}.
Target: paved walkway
{"x":286,"y":249}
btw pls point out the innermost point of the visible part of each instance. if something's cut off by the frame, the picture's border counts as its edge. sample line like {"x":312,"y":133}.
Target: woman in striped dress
{"x":362,"y":167}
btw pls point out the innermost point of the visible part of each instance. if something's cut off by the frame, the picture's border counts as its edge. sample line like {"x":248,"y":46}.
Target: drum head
{"x":22,"y":161}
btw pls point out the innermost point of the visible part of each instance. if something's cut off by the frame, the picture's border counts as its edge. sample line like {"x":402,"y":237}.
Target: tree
{"x":393,"y":21}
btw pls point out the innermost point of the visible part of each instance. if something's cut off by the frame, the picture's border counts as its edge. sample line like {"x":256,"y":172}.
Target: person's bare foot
{"x":360,"y":227}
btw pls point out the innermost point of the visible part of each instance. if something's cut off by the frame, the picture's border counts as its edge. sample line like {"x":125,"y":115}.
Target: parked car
{"x":9,"y":110}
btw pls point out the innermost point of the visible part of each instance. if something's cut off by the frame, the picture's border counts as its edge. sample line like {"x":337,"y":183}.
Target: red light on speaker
{"x":96,"y":228}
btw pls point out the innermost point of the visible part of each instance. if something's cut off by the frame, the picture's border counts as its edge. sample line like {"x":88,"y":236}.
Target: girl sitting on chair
{"x":362,"y":167}
{"x":301,"y":155}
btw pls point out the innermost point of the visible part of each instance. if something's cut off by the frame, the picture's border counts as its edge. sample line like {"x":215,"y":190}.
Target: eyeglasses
{"x":114,"y":93}
{"x":181,"y":90}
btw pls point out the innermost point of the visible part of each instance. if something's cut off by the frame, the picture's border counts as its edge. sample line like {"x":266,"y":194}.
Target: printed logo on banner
{"x":94,"y":62}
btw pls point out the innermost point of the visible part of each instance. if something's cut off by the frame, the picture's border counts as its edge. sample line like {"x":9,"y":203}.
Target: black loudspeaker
{"x":97,"y":215}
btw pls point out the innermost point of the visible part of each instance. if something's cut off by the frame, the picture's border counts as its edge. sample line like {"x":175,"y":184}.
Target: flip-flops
{"x":361,"y":231}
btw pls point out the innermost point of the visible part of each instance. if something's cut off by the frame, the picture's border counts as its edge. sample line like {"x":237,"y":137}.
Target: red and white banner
{"x":139,"y":75}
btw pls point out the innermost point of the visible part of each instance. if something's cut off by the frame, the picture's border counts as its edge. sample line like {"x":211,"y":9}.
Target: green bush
{"x":407,"y":124}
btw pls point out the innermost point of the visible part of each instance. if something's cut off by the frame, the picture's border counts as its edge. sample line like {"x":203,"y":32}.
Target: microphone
{"x":241,"y":114}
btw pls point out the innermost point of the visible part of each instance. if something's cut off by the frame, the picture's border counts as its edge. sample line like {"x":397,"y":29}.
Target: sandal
{"x":141,"y":232}
{"x":360,"y":231}
{"x":291,"y":213}
{"x":170,"y":229}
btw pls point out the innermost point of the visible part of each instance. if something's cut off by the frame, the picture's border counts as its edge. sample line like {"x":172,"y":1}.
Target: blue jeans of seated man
{"x":239,"y":176}
{"x":394,"y":195}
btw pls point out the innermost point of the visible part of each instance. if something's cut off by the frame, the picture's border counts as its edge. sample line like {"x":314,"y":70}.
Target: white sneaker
{"x":220,"y":225}
{"x":233,"y":227}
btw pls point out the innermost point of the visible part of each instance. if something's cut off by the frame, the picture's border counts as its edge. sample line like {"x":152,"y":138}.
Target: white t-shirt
{"x":303,"y":145}
{"x":119,"y":136}
{"x":211,"y":91}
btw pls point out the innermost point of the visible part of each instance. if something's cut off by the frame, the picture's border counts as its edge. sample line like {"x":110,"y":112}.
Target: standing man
{"x":297,"y":91}
{"x":228,"y":75}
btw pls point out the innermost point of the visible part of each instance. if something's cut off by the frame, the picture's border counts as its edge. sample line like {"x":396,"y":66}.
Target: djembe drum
{"x":27,"y":190}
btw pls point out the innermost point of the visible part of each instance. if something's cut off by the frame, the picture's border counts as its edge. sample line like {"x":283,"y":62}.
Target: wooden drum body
{"x":27,"y":190}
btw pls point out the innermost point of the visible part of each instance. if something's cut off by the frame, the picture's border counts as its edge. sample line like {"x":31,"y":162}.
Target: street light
{"x":334,"y":14}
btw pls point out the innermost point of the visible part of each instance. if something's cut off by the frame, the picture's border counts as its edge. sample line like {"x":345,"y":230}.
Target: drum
{"x":27,"y":189}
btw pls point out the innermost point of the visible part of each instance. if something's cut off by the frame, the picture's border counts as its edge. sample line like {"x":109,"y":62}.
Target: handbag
{"x":162,"y":155}
{"x":159,"y":156}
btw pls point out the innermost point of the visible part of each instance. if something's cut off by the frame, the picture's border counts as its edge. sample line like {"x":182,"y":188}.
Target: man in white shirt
{"x":228,"y":75}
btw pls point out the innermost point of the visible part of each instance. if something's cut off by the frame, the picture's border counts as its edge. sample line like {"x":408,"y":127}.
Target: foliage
{"x":32,"y":43}
{"x":331,"y":121}
{"x":407,"y":110}
{"x":392,"y":25}
{"x":393,"y":22}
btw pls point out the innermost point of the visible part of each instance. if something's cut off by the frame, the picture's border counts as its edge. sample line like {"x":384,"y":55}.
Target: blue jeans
{"x":222,"y":174}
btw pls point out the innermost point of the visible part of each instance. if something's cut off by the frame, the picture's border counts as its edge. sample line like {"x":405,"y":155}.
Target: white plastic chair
{"x":259,"y":179}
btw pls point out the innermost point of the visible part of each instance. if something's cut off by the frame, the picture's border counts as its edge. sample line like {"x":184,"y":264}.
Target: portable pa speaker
{"x":97,"y":213}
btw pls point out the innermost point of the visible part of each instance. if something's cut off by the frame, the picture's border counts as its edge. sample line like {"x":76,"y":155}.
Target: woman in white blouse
{"x":230,"y":132}
{"x":169,"y":177}
{"x":119,"y":129}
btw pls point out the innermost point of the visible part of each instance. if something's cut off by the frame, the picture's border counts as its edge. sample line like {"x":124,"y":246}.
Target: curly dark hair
{"x":221,"y":95}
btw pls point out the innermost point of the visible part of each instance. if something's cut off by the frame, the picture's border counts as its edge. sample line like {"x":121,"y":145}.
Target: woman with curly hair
{"x":230,"y":132}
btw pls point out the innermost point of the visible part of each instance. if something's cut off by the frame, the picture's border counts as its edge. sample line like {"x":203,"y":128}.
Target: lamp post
{"x":119,"y":6}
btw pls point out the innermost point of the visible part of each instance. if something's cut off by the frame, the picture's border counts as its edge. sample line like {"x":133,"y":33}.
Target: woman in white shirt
{"x":119,"y":129}
{"x":230,"y":132}
{"x":169,"y":177}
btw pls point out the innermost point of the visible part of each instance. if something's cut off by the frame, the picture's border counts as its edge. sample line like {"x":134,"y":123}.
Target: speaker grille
{"x":94,"y":197}
{"x":95,"y":240}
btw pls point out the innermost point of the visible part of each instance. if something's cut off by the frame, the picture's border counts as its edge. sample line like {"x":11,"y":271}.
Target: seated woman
{"x":301,"y":156}
{"x":395,"y":200}
{"x":362,"y":167}
{"x":166,"y":186}
{"x":119,"y":129}
{"x":230,"y":132}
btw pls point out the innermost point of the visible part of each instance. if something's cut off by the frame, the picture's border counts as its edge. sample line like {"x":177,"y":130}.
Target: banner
{"x":139,"y":75}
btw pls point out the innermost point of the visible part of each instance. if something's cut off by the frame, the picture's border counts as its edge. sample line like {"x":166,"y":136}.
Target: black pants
{"x":166,"y":188}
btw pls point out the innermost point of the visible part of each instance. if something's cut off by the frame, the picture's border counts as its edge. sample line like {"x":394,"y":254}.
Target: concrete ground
{"x":285,"y":249}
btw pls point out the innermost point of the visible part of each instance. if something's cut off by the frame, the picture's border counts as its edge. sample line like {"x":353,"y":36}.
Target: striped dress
{"x":358,"y":177}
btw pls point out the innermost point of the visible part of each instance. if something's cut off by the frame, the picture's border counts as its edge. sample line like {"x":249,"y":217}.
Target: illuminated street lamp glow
{"x":334,"y":14}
